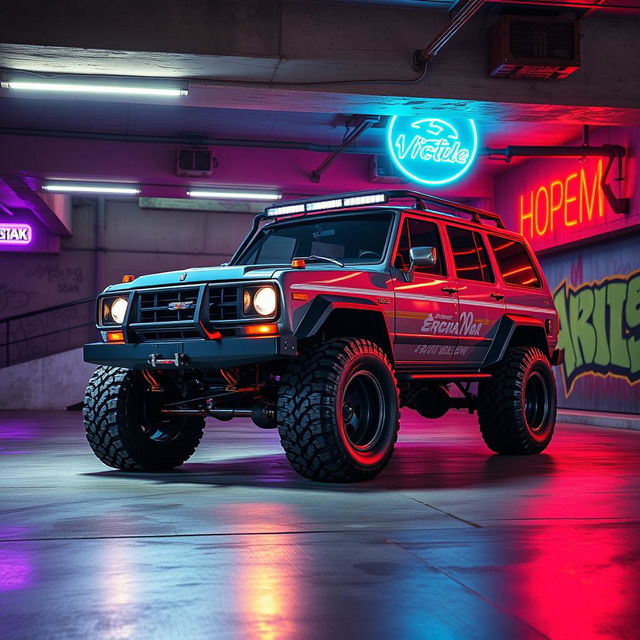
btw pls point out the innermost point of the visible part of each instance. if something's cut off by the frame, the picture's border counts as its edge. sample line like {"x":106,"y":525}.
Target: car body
{"x":442,"y":297}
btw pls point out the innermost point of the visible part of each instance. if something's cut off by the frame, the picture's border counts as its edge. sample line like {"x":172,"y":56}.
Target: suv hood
{"x":197,"y":276}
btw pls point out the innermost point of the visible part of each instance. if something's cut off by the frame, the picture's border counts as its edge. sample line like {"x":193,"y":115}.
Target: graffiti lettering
{"x":600,"y":328}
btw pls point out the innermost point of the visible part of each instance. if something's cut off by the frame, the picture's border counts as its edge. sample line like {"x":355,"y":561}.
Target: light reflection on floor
{"x":450,"y":542}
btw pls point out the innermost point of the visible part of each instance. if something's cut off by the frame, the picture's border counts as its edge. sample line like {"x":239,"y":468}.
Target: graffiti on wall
{"x":600,"y":328}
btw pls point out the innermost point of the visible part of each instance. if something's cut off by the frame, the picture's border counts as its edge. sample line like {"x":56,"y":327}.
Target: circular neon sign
{"x":432,"y":150}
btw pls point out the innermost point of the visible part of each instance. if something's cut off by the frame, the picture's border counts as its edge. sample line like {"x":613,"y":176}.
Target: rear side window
{"x":514,"y":262}
{"x":419,"y":233}
{"x":469,"y":255}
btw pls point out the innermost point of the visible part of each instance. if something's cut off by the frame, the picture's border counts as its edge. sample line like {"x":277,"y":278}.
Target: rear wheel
{"x":338,"y":411}
{"x":126,"y":429}
{"x":517,"y":406}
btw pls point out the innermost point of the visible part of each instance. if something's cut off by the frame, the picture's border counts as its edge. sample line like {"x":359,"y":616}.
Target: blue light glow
{"x":432,"y":150}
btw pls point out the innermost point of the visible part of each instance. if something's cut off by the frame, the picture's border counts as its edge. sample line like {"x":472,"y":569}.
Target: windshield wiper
{"x":314,"y":257}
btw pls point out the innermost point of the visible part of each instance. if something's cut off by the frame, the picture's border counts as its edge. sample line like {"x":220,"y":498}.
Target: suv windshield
{"x":358,"y":238}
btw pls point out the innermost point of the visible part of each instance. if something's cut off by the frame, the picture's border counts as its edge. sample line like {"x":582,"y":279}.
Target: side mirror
{"x":422,"y":257}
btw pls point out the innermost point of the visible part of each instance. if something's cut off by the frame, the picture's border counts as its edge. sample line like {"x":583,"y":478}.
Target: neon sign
{"x":15,"y":234}
{"x":432,"y":151}
{"x":576,"y":200}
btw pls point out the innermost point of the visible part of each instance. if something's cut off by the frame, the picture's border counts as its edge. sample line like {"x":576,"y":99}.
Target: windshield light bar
{"x":234,"y":195}
{"x":333,"y":203}
{"x":79,"y":187}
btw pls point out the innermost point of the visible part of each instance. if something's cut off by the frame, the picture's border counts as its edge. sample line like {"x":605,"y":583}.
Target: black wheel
{"x":517,"y":406}
{"x":338,"y":412}
{"x":125,"y":428}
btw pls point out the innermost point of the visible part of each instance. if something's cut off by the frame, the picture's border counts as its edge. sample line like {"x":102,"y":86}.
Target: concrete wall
{"x":55,"y":382}
{"x":128,"y":240}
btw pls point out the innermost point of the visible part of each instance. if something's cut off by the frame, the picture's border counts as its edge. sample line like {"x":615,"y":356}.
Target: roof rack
{"x":363,"y":198}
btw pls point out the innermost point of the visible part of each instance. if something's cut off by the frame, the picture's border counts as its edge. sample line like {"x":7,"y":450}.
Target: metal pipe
{"x":460,"y":20}
{"x":512,"y":151}
{"x":222,"y":414}
{"x":568,"y":5}
{"x":365,"y":123}
{"x":183,"y":140}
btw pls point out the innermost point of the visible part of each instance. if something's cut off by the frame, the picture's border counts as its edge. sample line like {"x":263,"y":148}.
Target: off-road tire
{"x":314,"y":415}
{"x":505,"y":401}
{"x":120,"y":431}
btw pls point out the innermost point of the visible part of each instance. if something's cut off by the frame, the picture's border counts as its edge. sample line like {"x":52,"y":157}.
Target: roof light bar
{"x":113,"y":85}
{"x":234,"y":195}
{"x":286,"y":210}
{"x":333,"y":203}
{"x":357,"y":201}
{"x":80,"y":187}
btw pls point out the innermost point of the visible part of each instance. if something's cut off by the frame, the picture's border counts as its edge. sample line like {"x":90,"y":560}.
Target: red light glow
{"x":559,"y":205}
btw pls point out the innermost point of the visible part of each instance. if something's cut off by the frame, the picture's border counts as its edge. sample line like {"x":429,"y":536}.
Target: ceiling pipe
{"x":423,"y":57}
{"x":197,"y":141}
{"x":569,"y":5}
{"x":362,"y":124}
{"x":614,"y":152}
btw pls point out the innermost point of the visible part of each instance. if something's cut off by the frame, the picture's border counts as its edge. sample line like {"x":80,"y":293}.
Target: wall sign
{"x":599,"y":328}
{"x":562,"y":204}
{"x":433,"y":151}
{"x":15,"y":234}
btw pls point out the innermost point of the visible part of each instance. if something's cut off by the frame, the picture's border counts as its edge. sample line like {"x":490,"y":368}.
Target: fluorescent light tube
{"x":234,"y":195}
{"x":90,"y":88}
{"x":58,"y":187}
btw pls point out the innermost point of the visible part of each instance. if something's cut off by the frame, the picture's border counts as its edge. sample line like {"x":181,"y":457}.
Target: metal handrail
{"x":8,"y":343}
{"x":56,"y":307}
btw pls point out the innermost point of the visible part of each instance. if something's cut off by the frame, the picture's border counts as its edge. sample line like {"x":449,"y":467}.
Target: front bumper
{"x":198,"y":354}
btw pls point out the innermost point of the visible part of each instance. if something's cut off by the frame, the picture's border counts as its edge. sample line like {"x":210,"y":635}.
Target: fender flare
{"x":507,"y":326}
{"x":322,"y":306}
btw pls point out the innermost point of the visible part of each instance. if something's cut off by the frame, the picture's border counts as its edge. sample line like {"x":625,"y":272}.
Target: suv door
{"x":426,"y":314}
{"x":481,"y":302}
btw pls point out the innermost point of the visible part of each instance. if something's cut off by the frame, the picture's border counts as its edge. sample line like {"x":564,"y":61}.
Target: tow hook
{"x":178,"y":360}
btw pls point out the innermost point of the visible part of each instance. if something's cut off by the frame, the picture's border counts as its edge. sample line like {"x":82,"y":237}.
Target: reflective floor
{"x":449,"y":542}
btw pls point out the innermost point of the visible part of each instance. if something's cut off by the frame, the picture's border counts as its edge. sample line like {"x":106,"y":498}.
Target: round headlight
{"x":265,"y":301}
{"x":119,"y":309}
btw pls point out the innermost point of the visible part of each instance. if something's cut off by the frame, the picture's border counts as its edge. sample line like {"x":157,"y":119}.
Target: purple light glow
{"x":13,"y":234}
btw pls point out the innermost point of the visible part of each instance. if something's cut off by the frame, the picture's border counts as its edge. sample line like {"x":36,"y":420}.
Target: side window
{"x":469,"y":255}
{"x":514,"y":262}
{"x":419,"y":233}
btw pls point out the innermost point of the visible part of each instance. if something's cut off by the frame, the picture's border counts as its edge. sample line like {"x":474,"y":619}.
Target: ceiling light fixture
{"x":113,"y":85}
{"x":234,"y":195}
{"x":86,"y":187}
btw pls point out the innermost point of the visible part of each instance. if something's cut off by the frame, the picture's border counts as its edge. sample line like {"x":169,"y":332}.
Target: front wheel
{"x":338,"y":411}
{"x":517,"y":406}
{"x":126,"y":429}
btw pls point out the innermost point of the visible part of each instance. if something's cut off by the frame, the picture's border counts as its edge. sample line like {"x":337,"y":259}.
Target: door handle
{"x":497,"y":296}
{"x":449,"y":289}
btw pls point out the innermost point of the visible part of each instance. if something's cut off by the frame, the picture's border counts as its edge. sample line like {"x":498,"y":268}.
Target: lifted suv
{"x":332,"y":314}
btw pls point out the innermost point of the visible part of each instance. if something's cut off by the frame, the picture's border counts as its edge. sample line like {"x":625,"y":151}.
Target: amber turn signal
{"x":128,"y":278}
{"x":115,"y":337}
{"x":298,"y":263}
{"x":298,"y":295}
{"x":261,"y":329}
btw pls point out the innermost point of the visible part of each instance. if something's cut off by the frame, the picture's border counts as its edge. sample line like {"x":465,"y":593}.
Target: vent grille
{"x":153,"y":306}
{"x":534,"y":48}
{"x":224,"y":303}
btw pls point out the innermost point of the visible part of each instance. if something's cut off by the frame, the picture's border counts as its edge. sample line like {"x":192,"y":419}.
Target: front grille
{"x":168,"y":334}
{"x":154,"y":306}
{"x":224,"y":303}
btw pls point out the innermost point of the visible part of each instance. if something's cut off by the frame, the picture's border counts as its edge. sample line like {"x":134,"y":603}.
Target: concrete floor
{"x":449,"y":542}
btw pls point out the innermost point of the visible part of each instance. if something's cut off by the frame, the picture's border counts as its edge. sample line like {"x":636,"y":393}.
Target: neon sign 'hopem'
{"x":432,"y":150}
